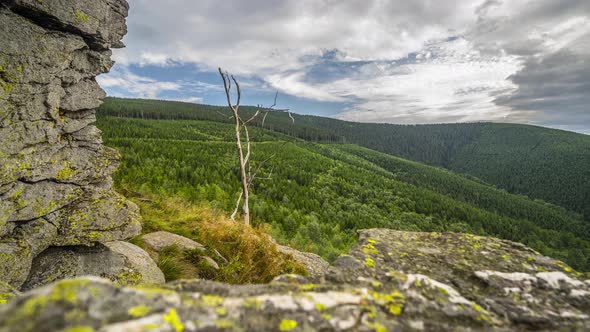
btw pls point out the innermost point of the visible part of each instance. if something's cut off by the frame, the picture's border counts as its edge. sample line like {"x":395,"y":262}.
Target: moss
{"x":221,"y":311}
{"x":19,"y":68}
{"x":326,"y":316}
{"x":172,"y":318}
{"x":287,"y":325}
{"x":138,"y":311}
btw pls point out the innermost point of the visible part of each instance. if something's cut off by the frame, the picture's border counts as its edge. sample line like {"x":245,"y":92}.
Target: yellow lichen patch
{"x":223,"y":324}
{"x":172,"y":318}
{"x":369,"y":249}
{"x":369,"y":262}
{"x":80,"y":329}
{"x":138,"y":311}
{"x":221,"y":311}
{"x":320,"y":307}
{"x":127,"y":278}
{"x":80,"y":16}
{"x":287,"y":325}
{"x":212,"y":300}
{"x":306,"y":287}
{"x":66,"y":172}
{"x":376,"y":327}
{"x":67,"y":290}
{"x":252,"y":303}
{"x":4,"y":297}
{"x":394,"y":301}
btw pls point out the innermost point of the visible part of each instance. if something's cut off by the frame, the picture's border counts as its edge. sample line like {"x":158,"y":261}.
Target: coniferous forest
{"x":325,"y":182}
{"x":541,"y":163}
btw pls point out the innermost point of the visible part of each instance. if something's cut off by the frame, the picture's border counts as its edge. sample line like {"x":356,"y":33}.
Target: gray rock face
{"x":399,"y":281}
{"x":121,"y":262}
{"x":55,"y":185}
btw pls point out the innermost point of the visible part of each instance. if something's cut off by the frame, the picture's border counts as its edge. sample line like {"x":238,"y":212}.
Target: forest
{"x":320,"y":193}
{"x":541,"y":163}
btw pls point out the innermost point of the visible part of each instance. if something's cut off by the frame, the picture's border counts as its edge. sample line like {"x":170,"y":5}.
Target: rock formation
{"x":390,"y":281}
{"x":55,"y":175}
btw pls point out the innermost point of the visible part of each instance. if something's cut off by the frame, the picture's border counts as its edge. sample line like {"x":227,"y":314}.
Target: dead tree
{"x":246,"y":174}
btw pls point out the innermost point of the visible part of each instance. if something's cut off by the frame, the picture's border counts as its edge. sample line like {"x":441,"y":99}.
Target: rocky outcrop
{"x":55,"y":184}
{"x":121,"y":262}
{"x":390,"y":281}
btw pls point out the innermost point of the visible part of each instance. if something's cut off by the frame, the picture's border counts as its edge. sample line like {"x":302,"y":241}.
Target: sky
{"x":393,"y":61}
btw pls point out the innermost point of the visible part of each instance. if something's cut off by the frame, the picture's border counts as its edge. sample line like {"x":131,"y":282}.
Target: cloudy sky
{"x":397,"y":61}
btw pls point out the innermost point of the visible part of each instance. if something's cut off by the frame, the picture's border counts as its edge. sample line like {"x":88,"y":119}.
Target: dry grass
{"x":252,"y":256}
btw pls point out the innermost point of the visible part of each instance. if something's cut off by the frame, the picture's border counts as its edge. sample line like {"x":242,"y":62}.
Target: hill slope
{"x":538,"y":162}
{"x":320,"y":194}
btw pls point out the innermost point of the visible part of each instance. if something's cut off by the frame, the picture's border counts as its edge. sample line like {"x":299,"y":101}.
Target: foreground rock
{"x":121,"y":262}
{"x":390,"y":281}
{"x":55,"y":174}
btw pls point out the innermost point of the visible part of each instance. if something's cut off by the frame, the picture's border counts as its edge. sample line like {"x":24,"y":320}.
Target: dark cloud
{"x":555,"y":87}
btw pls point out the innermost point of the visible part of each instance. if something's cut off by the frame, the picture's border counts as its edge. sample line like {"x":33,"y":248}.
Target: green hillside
{"x":541,"y":163}
{"x":320,"y":194}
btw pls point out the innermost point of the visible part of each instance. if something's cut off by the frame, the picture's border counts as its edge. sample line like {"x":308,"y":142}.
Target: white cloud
{"x":281,"y":43}
{"x":195,"y":100}
{"x":135,"y":85}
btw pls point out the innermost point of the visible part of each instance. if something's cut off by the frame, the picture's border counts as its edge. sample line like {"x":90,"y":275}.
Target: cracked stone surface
{"x":390,"y":281}
{"x":55,"y":174}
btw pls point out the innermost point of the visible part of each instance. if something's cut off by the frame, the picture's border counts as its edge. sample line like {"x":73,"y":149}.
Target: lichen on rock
{"x":55,"y":174}
{"x":423,"y":290}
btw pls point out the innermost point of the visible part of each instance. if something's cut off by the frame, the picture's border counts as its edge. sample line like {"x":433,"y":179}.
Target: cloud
{"x":386,"y":61}
{"x":195,"y":100}
{"x":135,"y":85}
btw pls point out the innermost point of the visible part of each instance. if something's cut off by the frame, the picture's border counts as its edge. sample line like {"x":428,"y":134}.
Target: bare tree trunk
{"x":243,"y":178}
{"x":246,"y":177}
{"x":238,"y":124}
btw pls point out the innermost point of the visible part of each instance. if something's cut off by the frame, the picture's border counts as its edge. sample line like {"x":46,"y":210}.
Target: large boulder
{"x":315,"y":265}
{"x":156,"y":241}
{"x":390,"y":281}
{"x":121,"y":262}
{"x":55,"y":174}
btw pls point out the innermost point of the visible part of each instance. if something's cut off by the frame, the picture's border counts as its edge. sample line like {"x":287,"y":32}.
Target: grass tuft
{"x":252,"y":256}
